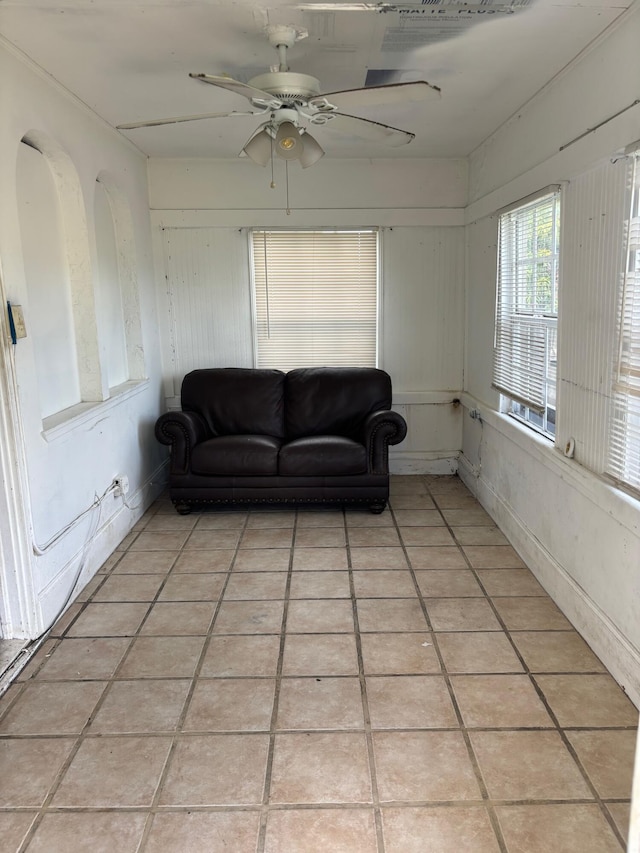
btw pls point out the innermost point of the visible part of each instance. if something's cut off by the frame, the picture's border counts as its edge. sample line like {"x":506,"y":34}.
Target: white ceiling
{"x":129,"y":60}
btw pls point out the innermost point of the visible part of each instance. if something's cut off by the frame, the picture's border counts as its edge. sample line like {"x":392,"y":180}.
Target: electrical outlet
{"x":120,"y":486}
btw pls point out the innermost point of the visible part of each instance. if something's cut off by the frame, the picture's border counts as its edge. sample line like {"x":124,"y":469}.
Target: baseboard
{"x":52,"y":599}
{"x":468,"y":473}
{"x":416,"y":462}
{"x":599,"y":632}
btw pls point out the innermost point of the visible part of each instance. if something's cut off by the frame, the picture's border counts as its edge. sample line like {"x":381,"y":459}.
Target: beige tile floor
{"x":296,"y":682}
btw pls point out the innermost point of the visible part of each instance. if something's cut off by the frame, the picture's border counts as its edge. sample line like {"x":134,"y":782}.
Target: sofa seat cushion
{"x":240,"y":455}
{"x":322,"y":455}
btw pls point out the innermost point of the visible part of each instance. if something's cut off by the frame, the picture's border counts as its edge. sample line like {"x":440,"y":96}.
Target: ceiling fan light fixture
{"x":289,"y":146}
{"x":312,"y":151}
{"x":258,"y":148}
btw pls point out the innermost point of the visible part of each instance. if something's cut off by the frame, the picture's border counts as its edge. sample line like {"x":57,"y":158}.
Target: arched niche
{"x":61,"y":308}
{"x":119,"y":302}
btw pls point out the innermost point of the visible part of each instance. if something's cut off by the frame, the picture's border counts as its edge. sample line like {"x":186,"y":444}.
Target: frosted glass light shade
{"x":288,"y":143}
{"x":311,"y":151}
{"x":258,"y":148}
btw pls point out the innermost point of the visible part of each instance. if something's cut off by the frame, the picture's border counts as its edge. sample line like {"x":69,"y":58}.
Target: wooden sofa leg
{"x":182,"y":507}
{"x":377,"y":507}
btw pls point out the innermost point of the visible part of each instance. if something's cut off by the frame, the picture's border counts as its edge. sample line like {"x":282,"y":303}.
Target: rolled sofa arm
{"x":380,"y":430}
{"x":181,"y":430}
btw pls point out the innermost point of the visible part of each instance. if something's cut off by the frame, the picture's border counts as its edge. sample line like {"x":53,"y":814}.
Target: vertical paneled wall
{"x":423,"y":297}
{"x":207,"y":299}
{"x":423,"y":340}
{"x":204,"y":275}
{"x":577,"y":533}
{"x":207,"y":302}
{"x":592,"y":260}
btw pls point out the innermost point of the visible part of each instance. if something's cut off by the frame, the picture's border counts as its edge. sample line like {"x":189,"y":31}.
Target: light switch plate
{"x":16,"y":321}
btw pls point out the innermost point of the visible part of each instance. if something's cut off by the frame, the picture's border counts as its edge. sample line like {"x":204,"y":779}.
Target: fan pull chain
{"x":286,"y":172}
{"x":273,"y":182}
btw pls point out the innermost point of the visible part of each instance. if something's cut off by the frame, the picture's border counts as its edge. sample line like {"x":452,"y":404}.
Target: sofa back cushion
{"x":333,"y":400}
{"x":236,"y":400}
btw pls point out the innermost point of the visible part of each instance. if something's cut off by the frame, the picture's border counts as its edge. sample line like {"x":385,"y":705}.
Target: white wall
{"x":201,"y":213}
{"x":580,"y":536}
{"x":53,"y":466}
{"x":109,"y":296}
{"x":47,"y":279}
{"x":600,"y":83}
{"x":385,"y":190}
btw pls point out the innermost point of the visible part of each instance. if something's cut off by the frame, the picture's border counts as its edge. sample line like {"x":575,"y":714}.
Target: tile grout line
{"x":596,"y":799}
{"x":532,"y":681}
{"x":368,"y":733}
{"x":493,"y":818}
{"x":266,"y":794}
{"x":266,"y":807}
{"x":531,"y":676}
{"x":178,"y":730}
{"x":81,"y":736}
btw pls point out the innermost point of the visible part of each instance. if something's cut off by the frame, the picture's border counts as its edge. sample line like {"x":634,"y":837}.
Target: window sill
{"x":533,"y":427}
{"x":62,"y":423}
{"x":595,"y":487}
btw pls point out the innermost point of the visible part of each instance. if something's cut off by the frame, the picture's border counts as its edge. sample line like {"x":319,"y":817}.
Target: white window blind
{"x":527,"y":302}
{"x":315,"y":298}
{"x":624,"y":440}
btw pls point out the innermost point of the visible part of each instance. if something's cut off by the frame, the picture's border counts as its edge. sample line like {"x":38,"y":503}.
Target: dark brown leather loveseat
{"x":317,"y":435}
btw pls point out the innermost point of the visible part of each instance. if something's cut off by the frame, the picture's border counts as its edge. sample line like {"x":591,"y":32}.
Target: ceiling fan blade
{"x":371,"y":96}
{"x":255,"y":95}
{"x":371,"y":130}
{"x":158,"y":121}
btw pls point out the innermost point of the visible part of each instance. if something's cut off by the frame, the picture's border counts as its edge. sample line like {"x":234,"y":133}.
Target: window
{"x":624,"y":441}
{"x":315,"y":298}
{"x":525,"y":345}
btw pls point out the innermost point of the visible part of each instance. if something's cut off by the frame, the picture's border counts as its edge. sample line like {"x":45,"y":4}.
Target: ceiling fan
{"x":291,"y":102}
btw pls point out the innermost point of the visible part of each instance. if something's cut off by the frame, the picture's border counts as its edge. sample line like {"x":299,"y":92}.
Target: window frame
{"x":529,"y":332}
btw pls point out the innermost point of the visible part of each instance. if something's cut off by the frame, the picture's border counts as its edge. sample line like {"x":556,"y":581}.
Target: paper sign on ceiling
{"x":420,"y":24}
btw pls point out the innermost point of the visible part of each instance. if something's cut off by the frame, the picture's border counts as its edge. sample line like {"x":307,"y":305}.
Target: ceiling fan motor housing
{"x":289,"y":86}
{"x":284,"y":114}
